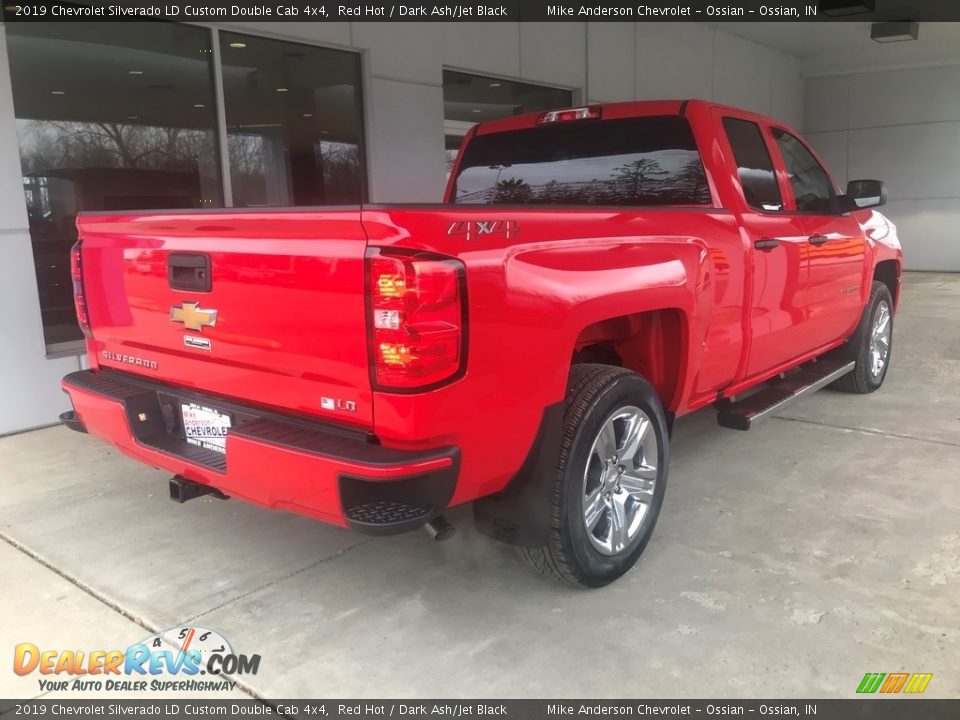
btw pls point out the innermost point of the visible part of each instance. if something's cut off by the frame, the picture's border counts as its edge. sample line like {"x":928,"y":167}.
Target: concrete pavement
{"x":788,"y":561}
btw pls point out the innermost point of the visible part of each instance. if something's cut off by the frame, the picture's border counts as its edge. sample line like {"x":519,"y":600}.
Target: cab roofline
{"x":609,"y":111}
{"x":615,"y":111}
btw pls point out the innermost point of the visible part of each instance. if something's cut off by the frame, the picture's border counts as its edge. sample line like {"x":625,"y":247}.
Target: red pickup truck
{"x":593,"y":273}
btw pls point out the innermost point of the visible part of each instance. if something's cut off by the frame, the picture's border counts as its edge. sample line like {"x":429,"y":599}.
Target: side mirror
{"x":863,"y":194}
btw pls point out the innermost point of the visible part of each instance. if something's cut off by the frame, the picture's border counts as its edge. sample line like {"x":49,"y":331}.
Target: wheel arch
{"x":888,"y":272}
{"x":650,"y":343}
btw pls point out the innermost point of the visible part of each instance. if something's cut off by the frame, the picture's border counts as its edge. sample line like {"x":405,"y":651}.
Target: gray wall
{"x":403,"y":62}
{"x":901,"y":126}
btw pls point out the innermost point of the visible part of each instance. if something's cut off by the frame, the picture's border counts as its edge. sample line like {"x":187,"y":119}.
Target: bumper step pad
{"x":385,"y":512}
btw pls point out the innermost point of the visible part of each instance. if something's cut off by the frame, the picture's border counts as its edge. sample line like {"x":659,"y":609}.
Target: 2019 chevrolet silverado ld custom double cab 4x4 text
{"x":594,"y":273}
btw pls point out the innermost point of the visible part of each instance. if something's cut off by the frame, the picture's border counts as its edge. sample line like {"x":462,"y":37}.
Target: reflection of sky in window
{"x":577,"y":170}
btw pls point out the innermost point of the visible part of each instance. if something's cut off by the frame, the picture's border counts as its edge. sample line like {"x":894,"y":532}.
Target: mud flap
{"x":521,"y":513}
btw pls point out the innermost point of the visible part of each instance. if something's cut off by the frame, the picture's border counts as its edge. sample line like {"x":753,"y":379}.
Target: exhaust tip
{"x":72,"y":421}
{"x":440,"y":528}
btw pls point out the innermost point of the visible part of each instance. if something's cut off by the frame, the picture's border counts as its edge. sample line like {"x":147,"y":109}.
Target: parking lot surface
{"x":788,"y":561}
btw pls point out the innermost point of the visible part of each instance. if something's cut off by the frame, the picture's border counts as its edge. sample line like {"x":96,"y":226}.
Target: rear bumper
{"x":334,"y":474}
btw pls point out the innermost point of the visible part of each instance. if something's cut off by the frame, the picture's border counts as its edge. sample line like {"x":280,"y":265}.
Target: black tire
{"x":594,"y":395}
{"x":863,"y":380}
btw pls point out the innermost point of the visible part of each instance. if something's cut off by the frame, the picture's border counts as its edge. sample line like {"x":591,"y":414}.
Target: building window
{"x":124,"y":117}
{"x":294,"y":122}
{"x":109,"y":118}
{"x":469,"y":99}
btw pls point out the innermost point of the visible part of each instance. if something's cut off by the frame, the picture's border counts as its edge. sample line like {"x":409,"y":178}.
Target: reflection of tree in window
{"x":692,"y":182}
{"x":49,"y":144}
{"x":512,"y":190}
{"x":640,"y":162}
{"x":112,"y":166}
{"x":340,"y":165}
{"x":633,"y":178}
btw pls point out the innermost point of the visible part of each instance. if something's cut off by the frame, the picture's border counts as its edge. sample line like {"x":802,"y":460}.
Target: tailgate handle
{"x":189,"y":271}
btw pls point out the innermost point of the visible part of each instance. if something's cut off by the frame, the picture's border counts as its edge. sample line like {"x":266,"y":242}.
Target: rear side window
{"x":638,"y":161}
{"x":754,"y":165}
{"x":812,"y":189}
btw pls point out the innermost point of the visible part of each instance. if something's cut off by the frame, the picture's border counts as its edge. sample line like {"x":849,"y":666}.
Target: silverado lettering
{"x":129,"y":360}
{"x":674,"y":256}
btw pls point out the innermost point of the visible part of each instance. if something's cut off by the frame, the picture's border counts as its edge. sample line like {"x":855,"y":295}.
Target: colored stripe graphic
{"x":894,"y":682}
{"x":870,"y":682}
{"x":918,"y":682}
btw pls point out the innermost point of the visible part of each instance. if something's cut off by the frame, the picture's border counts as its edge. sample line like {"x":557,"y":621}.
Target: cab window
{"x":754,"y":167}
{"x":812,"y":189}
{"x":642,"y":162}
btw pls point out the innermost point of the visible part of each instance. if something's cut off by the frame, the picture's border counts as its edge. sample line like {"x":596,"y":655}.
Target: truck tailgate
{"x":264,"y":307}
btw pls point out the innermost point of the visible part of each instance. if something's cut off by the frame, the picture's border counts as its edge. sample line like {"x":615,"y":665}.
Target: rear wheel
{"x":611,"y":477}
{"x":870,"y":345}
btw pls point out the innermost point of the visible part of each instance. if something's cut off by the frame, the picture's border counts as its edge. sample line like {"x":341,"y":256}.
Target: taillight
{"x":416,"y":323}
{"x":580,"y":113}
{"x":79,"y":300}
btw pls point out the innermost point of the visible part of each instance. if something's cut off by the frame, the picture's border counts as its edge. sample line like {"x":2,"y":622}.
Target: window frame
{"x":463,"y":128}
{"x":785,"y":183}
{"x":776,"y":164}
{"x":363,"y":76}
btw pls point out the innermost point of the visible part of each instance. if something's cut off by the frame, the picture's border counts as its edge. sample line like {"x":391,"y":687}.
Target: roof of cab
{"x":609,"y":111}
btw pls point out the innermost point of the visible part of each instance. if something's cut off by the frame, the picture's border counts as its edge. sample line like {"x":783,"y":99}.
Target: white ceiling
{"x":828,"y":48}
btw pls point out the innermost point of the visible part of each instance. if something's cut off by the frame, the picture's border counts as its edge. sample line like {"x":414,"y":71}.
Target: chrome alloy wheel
{"x":620,"y":479}
{"x":880,"y":340}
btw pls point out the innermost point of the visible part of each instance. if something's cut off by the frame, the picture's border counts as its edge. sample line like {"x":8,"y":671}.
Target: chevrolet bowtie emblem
{"x":193,"y":316}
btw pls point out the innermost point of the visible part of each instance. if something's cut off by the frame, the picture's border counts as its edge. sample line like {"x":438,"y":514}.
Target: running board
{"x":741,"y":414}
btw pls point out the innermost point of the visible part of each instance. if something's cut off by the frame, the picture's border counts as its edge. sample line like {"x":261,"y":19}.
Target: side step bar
{"x":741,"y":414}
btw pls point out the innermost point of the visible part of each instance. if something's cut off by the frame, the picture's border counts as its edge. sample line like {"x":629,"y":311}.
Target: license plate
{"x":205,"y":427}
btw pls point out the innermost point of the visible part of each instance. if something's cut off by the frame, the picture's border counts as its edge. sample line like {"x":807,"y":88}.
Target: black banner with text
{"x":491,"y":10}
{"x":874,"y":709}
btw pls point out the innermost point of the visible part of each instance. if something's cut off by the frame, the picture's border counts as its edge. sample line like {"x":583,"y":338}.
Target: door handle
{"x":189,"y":271}
{"x":766,"y":243}
{"x":818,"y":239}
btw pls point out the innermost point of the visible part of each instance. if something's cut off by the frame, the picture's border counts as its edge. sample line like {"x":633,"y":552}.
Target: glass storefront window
{"x":469,"y":99}
{"x":294,"y":122}
{"x":123,"y":116}
{"x":109,"y":117}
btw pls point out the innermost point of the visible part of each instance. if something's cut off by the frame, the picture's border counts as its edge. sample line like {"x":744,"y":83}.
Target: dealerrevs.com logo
{"x":190,"y":658}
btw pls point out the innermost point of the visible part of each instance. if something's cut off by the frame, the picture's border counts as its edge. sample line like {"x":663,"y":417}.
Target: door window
{"x":754,"y":165}
{"x":812,"y":189}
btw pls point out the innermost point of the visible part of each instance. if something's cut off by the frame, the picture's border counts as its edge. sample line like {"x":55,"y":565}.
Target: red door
{"x":836,"y":247}
{"x":778,"y":247}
